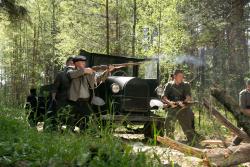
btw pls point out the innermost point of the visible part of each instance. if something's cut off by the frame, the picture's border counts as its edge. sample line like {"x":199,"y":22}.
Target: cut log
{"x":191,"y":151}
{"x":232,"y":155}
{"x":215,"y":142}
{"x":232,"y":106}
{"x":226,"y":123}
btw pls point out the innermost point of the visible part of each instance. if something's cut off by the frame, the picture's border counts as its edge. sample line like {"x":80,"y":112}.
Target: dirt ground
{"x":168,"y":157}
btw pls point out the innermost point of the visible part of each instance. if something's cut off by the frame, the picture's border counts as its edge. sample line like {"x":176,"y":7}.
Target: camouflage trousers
{"x":185,"y":118}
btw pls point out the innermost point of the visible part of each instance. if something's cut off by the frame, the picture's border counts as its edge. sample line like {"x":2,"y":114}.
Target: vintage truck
{"x":128,"y":91}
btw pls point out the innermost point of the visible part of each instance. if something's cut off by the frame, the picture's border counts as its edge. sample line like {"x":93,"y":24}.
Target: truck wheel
{"x":148,"y":130}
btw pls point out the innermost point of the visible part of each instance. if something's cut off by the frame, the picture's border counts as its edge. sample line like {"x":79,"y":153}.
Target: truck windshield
{"x":148,"y":70}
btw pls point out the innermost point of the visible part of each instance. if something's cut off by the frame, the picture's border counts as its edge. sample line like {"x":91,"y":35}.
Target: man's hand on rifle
{"x":180,"y":103}
{"x":89,"y":71}
{"x":172,"y":104}
{"x":111,"y":68}
{"x":168,"y":103}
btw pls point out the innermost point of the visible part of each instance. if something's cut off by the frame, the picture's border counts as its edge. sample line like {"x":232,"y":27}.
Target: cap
{"x":79,"y":58}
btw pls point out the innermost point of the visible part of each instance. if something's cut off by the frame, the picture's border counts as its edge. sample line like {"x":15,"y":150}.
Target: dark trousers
{"x":185,"y":118}
{"x":80,"y":113}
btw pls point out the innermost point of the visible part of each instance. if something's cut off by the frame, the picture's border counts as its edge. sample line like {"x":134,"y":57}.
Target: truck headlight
{"x":159,"y":90}
{"x":115,"y":88}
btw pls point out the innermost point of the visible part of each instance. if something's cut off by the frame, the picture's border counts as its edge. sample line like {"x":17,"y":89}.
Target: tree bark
{"x":134,"y":28}
{"x":107,"y":26}
{"x":34,"y":54}
{"x":238,"y":58}
{"x":117,"y":30}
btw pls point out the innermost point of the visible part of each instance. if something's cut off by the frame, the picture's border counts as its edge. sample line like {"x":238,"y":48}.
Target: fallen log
{"x":232,"y":155}
{"x":243,"y":135}
{"x":232,"y":106}
{"x":215,"y":142}
{"x":191,"y":151}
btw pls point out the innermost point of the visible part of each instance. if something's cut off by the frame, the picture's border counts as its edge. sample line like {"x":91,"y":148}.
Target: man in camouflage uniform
{"x":244,"y":103}
{"x":176,"y":93}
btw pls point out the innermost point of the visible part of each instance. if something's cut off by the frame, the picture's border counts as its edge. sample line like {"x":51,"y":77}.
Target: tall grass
{"x":21,"y":145}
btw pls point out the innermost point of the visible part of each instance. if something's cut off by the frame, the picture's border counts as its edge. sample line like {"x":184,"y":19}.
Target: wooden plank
{"x":233,"y":107}
{"x":225,"y":122}
{"x":233,"y":155}
{"x":215,"y":142}
{"x":191,"y":151}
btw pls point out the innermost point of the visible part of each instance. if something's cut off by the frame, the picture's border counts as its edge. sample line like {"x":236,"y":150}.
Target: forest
{"x":207,"y":39}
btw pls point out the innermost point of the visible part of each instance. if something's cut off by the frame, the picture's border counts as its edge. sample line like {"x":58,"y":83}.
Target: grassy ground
{"x":205,"y":124}
{"x":23,"y":146}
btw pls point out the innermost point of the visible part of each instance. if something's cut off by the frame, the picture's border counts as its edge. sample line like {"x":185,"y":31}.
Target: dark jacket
{"x":177,"y":92}
{"x":62,"y":84}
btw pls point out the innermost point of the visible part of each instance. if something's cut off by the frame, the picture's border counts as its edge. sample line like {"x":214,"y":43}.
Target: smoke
{"x":151,"y":70}
{"x":186,"y":59}
{"x":183,"y":59}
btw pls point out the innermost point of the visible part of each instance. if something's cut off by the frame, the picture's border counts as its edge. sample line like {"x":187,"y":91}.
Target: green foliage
{"x":21,"y":144}
{"x":33,"y":51}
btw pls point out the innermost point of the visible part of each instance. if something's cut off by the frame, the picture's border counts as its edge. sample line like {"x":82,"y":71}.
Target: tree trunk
{"x":34,"y":54}
{"x":232,"y":106}
{"x":117,"y":30}
{"x":51,"y":64}
{"x":226,"y":123}
{"x":159,"y":30}
{"x":107,"y":26}
{"x":134,"y":28}
{"x":238,"y":58}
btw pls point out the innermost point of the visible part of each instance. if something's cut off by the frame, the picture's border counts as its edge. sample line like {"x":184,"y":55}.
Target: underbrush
{"x":21,"y":145}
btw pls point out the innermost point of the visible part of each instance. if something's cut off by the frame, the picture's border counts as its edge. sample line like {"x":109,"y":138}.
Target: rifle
{"x":116,"y":66}
{"x":178,"y":104}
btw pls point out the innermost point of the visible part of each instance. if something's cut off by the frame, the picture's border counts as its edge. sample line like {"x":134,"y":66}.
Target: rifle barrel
{"x":104,"y":67}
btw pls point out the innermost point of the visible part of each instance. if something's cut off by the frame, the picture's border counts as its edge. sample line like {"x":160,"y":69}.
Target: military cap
{"x":79,"y":58}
